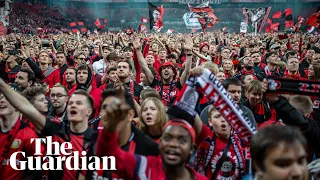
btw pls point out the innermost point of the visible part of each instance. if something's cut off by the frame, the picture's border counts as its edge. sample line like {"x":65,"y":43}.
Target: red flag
{"x":288,"y":18}
{"x":100,"y":23}
{"x":144,"y":20}
{"x":73,"y":27}
{"x":277,"y":15}
{"x":155,"y":16}
{"x":142,"y":28}
{"x":205,"y":15}
{"x":314,"y":20}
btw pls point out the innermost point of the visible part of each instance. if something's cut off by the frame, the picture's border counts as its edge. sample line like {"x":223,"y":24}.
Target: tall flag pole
{"x":156,"y":16}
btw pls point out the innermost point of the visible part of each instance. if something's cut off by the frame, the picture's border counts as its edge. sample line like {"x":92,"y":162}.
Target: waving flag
{"x":257,"y":15}
{"x":205,"y":15}
{"x":170,"y":31}
{"x":282,"y":18}
{"x":288,"y":18}
{"x":314,"y":20}
{"x":142,"y":28}
{"x":155,"y":16}
{"x":191,"y":21}
{"x":79,"y":26}
{"x":100,"y":23}
{"x":144,"y":20}
{"x":298,"y":24}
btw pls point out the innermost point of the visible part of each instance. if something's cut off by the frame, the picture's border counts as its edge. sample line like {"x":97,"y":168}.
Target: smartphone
{"x":45,"y":43}
{"x":13,"y":52}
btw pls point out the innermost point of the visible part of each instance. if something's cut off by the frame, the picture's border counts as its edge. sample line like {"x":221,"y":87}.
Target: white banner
{"x":243,"y":27}
{"x":191,"y":21}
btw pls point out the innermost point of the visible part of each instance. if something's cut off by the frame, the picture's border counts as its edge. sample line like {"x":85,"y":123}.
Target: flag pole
{"x":255,"y":28}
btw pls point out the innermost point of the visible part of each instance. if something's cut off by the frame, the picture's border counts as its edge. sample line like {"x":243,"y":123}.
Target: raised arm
{"x":143,"y":63}
{"x":107,"y":143}
{"x":187,"y":66}
{"x":23,"y":105}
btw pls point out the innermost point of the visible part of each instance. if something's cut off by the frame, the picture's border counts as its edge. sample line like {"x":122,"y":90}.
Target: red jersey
{"x":61,"y":133}
{"x":96,"y":96}
{"x":131,"y":166}
{"x":168,"y":92}
{"x":51,"y":78}
{"x":210,"y":151}
{"x":20,"y":142}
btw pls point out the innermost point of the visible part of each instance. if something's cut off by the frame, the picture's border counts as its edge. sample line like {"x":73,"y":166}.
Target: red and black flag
{"x":281,"y":18}
{"x":297,"y":26}
{"x":142,"y":28}
{"x":288,"y":18}
{"x":272,"y":26}
{"x":156,"y":16}
{"x":100,"y":23}
{"x":314,"y":20}
{"x":144,"y":20}
{"x":75,"y":27}
{"x":257,"y":15}
{"x":205,"y":15}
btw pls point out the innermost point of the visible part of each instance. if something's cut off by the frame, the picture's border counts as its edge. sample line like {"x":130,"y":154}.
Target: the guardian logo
{"x":62,"y":154}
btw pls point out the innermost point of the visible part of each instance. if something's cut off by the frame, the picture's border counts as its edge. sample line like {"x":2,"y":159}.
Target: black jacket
{"x":308,"y":127}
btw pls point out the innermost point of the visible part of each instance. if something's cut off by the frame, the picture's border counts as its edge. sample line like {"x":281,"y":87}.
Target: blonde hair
{"x":232,"y":66}
{"x":161,"y":118}
{"x":211,"y":66}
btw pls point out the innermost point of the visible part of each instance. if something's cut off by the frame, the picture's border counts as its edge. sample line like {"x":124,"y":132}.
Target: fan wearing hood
{"x":84,"y":82}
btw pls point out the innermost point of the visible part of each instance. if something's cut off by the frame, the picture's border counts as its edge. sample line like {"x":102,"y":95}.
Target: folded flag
{"x":100,"y":23}
{"x":156,"y":16}
{"x":144,"y":20}
{"x":257,"y":15}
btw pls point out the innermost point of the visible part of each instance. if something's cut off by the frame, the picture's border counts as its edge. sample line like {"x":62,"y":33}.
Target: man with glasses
{"x":80,"y":59}
{"x":59,"y":98}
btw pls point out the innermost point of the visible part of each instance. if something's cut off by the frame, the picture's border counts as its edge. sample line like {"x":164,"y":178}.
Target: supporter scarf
{"x":293,"y":86}
{"x":184,"y":105}
{"x":222,"y":100}
{"x":246,"y":72}
{"x":204,"y":155}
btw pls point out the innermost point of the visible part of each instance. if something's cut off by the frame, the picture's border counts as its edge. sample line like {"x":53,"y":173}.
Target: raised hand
{"x":188,"y":45}
{"x":136,"y":44}
{"x":115,"y":113}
